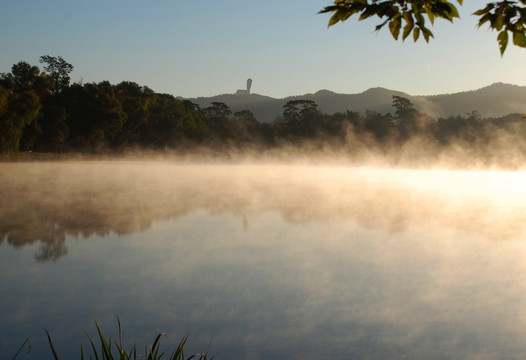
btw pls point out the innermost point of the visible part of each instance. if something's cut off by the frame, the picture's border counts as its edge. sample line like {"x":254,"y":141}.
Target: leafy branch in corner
{"x":409,"y":17}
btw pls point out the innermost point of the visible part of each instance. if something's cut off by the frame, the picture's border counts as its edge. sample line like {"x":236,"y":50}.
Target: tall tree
{"x":405,"y":109}
{"x":59,"y":70}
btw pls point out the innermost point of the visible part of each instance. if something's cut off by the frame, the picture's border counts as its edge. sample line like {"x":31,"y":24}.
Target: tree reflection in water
{"x":47,"y":202}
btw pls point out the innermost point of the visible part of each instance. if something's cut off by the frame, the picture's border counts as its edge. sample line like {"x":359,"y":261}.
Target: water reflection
{"x":46,"y":202}
{"x":292,"y":262}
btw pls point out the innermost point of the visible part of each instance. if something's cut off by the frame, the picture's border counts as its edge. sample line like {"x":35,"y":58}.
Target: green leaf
{"x":426,"y":33}
{"x":486,"y":10}
{"x":368,"y":12}
{"x":408,"y":17}
{"x":453,"y":12}
{"x":498,"y":23}
{"x":416,"y":34}
{"x":502,"y":38}
{"x":395,"y":26}
{"x":380,"y":26}
{"x":519,"y":39}
{"x":333,"y":20}
{"x":338,"y":15}
{"x":407,"y":30}
{"x":484,"y":19}
{"x":420,"y":19}
{"x":430,"y":14}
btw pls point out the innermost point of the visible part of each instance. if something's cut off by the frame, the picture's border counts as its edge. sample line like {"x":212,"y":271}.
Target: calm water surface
{"x":265,"y":261}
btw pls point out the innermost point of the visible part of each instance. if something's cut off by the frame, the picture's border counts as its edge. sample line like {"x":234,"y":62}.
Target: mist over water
{"x":270,"y":260}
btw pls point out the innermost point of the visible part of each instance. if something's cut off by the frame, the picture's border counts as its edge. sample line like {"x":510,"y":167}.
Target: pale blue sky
{"x":196,"y":48}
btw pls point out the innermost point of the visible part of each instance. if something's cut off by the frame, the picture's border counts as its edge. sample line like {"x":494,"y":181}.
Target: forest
{"x":42,"y":111}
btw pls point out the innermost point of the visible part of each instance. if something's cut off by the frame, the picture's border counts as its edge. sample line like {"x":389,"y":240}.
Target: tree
{"x":219,"y":111}
{"x":409,"y":16}
{"x":380,"y":126}
{"x":27,"y":77}
{"x":406,"y":118}
{"x":24,"y":77}
{"x":94,"y":115}
{"x":54,"y":126}
{"x":24,"y":83}
{"x":294,"y":109}
{"x":165,"y":127}
{"x":16,"y":112}
{"x":245,"y":125}
{"x":300,"y":118}
{"x":218,"y":116}
{"x":58,"y":70}
{"x":136,"y":102}
{"x":405,"y":109}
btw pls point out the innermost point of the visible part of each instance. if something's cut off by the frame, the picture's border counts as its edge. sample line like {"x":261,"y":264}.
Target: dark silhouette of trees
{"x":135,"y":101}
{"x":405,"y":118}
{"x":246,"y":126}
{"x":94,"y":115}
{"x":24,"y":77}
{"x":165,"y":121}
{"x":218,"y":112}
{"x":17,"y":111}
{"x":405,"y":109}
{"x":58,"y":70}
{"x":54,"y":125}
{"x":380,"y":126}
{"x":296,"y":109}
{"x":300,"y":117}
{"x":101,"y":117}
{"x":218,"y":115}
{"x":23,"y":82}
{"x":409,"y":16}
{"x":471,"y":129}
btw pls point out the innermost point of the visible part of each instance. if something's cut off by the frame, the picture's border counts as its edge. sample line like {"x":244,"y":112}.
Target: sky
{"x":203,"y":48}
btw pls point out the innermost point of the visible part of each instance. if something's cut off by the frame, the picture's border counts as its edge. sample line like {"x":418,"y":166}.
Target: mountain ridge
{"x":497,"y":99}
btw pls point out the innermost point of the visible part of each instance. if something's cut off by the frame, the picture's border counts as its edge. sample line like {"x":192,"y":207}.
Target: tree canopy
{"x":37,"y":115}
{"x":507,"y":17}
{"x":58,"y":70}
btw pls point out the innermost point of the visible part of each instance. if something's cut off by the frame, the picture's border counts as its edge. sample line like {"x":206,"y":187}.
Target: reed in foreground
{"x":110,"y":349}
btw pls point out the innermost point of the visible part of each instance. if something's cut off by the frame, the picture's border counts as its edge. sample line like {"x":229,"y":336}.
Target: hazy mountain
{"x":491,"y":101}
{"x":495,"y":100}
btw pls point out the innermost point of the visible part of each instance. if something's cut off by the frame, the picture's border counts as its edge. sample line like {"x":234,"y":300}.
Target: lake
{"x":263,"y":260}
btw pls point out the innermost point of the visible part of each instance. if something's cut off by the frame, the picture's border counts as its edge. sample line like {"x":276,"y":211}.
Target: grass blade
{"x":21,"y":347}
{"x":178,"y":353}
{"x":106,"y":348}
{"x":51,"y":345}
{"x":154,"y":349}
{"x":93,"y":347}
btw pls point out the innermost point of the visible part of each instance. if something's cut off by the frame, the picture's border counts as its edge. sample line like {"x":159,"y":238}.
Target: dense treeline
{"x":42,"y":111}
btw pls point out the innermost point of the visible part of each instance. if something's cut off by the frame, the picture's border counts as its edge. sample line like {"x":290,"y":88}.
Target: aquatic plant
{"x":111,"y":349}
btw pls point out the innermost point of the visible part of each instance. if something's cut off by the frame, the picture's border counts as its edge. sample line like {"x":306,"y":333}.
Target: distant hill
{"x":492,"y":101}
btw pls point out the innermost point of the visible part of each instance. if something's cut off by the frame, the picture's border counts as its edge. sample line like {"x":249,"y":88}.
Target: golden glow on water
{"x":131,"y":195}
{"x":266,"y":257}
